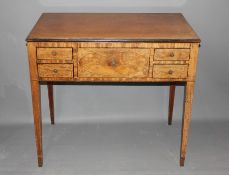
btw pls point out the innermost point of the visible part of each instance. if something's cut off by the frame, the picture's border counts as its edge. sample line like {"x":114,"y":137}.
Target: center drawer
{"x":113,"y":62}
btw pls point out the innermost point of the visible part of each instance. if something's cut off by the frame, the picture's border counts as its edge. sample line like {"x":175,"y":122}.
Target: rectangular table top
{"x":117,"y":27}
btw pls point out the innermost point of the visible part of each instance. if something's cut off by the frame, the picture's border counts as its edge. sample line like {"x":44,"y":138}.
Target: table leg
{"x":51,"y":102}
{"x":189,"y":92}
{"x":171,"y":103}
{"x":35,"y":88}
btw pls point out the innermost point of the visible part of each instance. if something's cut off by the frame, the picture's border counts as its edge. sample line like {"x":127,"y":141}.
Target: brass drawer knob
{"x":170,"y":72}
{"x":55,"y":71}
{"x":112,"y":62}
{"x":54,"y":53}
{"x":171,"y":54}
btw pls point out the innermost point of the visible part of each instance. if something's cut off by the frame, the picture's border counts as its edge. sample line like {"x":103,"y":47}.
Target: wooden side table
{"x":112,"y":48}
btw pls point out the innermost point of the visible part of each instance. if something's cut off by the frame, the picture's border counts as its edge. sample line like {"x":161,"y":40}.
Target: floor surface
{"x":136,"y":148}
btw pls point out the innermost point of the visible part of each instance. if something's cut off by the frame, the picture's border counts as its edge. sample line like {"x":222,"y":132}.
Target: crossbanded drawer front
{"x":113,"y":62}
{"x":170,"y":71}
{"x":54,"y":53}
{"x":172,"y":54}
{"x":55,"y":70}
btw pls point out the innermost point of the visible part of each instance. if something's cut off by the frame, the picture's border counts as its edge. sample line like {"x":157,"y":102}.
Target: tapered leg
{"x":35,"y":88}
{"x":189,"y":91}
{"x":51,"y":102}
{"x":171,"y":103}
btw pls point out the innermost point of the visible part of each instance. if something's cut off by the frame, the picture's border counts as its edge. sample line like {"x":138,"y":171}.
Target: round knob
{"x":113,"y":63}
{"x":54,"y":53}
{"x":170,"y":72}
{"x":171,"y":54}
{"x":55,"y":70}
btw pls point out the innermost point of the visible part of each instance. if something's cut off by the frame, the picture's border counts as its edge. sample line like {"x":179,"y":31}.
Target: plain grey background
{"x":107,"y":105}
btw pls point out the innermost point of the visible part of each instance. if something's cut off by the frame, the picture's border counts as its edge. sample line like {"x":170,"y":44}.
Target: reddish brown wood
{"x":149,"y":27}
{"x":171,"y":103}
{"x":51,"y":102}
{"x":182,"y":159}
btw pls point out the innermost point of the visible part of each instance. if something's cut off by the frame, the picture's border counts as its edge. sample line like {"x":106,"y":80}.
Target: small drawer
{"x":170,"y":71}
{"x":54,"y":53}
{"x":172,"y":54}
{"x":55,"y":70}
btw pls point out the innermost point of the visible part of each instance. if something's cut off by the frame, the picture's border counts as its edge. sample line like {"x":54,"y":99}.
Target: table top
{"x":117,"y":27}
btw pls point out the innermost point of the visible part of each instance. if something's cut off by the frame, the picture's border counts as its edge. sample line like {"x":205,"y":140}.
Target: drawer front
{"x":113,"y":62}
{"x":170,"y":71}
{"x":54,"y":53}
{"x":172,"y":54}
{"x":55,"y":70}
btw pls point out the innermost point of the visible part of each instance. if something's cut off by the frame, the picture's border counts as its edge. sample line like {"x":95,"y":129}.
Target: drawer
{"x":55,"y":70}
{"x":170,"y":71}
{"x":172,"y":54}
{"x":54,"y":53}
{"x":113,"y":62}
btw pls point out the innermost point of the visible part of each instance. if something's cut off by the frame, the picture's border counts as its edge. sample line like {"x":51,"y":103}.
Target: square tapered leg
{"x":51,"y":102}
{"x":35,"y":88}
{"x":172,"y":89}
{"x":189,"y":92}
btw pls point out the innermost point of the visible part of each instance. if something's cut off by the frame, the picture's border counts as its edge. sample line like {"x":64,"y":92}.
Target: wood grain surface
{"x":54,"y":53}
{"x":172,"y":89}
{"x":172,"y":54}
{"x":148,"y":27}
{"x":189,"y":92}
{"x":111,"y":62}
{"x":170,"y":71}
{"x":55,"y":70}
{"x":51,"y":101}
